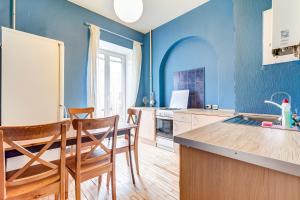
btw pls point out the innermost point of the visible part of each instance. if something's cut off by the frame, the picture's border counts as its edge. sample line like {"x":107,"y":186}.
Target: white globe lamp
{"x":129,"y":11}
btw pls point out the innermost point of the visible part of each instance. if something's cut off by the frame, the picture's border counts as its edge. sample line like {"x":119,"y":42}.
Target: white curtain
{"x":133,"y":74}
{"x":92,"y":68}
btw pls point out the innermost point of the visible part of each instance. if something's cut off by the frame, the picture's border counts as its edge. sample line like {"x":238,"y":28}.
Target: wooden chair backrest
{"x":81,"y":113}
{"x":50,"y":133}
{"x":134,"y":117}
{"x":96,"y":130}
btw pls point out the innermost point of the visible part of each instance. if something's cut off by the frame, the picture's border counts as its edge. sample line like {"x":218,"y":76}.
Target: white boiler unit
{"x":286,"y":29}
{"x":32,"y":79}
{"x":281,"y":32}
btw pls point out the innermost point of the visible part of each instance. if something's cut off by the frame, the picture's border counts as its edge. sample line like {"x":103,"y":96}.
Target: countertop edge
{"x":277,"y":165}
{"x":207,"y":112}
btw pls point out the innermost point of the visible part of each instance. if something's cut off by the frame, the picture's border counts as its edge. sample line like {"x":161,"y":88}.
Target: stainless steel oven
{"x":164,"y":132}
{"x":164,"y":127}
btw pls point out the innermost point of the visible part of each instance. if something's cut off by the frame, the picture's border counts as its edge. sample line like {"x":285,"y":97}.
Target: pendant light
{"x":128,"y":11}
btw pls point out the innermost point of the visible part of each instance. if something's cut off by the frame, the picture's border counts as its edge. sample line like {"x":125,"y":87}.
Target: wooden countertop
{"x":222,"y":113}
{"x":271,"y":148}
{"x":146,"y":108}
{"x":196,"y":111}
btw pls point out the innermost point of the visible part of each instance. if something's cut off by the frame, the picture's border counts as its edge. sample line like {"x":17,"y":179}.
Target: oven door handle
{"x":164,"y":118}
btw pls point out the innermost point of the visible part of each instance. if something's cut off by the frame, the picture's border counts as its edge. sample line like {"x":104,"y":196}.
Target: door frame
{"x":107,"y":54}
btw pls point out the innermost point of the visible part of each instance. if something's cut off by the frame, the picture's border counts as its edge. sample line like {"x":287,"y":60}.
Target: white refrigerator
{"x":32,"y":79}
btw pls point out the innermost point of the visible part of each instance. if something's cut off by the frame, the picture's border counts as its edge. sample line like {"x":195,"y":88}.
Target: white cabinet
{"x":181,"y":123}
{"x":203,"y":120}
{"x":147,"y":126}
{"x":181,"y":127}
{"x":182,"y":117}
{"x":184,"y":122}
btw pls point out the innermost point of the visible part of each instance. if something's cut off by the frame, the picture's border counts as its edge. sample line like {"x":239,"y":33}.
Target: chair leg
{"x":113,"y":185}
{"x":99,"y":182}
{"x":77,"y":190}
{"x":67,"y":186}
{"x":127,"y":158}
{"x":136,"y":158}
{"x":62,"y":189}
{"x":107,"y":180}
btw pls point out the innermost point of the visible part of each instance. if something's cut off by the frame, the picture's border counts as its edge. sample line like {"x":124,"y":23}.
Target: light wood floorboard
{"x":159,"y":178}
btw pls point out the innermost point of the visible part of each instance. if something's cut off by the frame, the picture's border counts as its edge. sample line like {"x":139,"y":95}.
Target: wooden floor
{"x":159,"y":178}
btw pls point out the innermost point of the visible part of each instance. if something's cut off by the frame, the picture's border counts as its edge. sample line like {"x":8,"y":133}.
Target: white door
{"x":111,"y":84}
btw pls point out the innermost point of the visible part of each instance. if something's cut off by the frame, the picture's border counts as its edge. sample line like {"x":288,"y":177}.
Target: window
{"x":111,"y":77}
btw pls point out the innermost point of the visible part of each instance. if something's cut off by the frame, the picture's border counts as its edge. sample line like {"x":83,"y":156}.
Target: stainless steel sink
{"x":253,"y":120}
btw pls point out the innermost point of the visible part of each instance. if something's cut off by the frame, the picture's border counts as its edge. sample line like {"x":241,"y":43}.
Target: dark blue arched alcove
{"x":189,"y":53}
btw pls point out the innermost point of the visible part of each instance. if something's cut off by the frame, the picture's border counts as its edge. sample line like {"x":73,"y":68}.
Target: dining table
{"x":36,"y":145}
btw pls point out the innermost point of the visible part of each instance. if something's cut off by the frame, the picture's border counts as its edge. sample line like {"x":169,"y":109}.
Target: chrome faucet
{"x":271,"y":101}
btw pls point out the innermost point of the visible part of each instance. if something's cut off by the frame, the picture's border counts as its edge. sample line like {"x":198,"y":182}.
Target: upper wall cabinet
{"x":268,"y":57}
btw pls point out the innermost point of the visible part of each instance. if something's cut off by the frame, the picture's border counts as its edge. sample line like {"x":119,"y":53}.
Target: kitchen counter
{"x":221,"y":113}
{"x":196,"y":111}
{"x":145,"y":108}
{"x":266,"y":147}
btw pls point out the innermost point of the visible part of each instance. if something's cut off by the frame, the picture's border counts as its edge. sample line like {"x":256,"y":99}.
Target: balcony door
{"x":111,"y":76}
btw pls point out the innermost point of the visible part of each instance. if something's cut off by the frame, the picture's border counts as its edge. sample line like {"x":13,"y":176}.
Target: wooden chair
{"x":99,"y":160}
{"x":81,"y":113}
{"x":38,"y":177}
{"x":134,"y":117}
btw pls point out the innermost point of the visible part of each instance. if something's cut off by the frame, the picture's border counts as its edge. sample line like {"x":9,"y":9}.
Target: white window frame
{"x":107,"y":54}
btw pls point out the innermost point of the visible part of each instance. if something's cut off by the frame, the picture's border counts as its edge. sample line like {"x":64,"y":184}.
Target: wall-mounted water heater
{"x":281,"y":32}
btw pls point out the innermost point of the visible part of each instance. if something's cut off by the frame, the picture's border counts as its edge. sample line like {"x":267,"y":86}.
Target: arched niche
{"x":189,"y":53}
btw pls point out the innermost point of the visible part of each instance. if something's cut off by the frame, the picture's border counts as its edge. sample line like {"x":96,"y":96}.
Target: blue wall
{"x":255,"y":83}
{"x":144,"y":89}
{"x":225,"y":36}
{"x":62,"y":20}
{"x":204,"y":37}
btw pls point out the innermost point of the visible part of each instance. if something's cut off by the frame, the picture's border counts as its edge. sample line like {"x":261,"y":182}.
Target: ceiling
{"x":156,"y":12}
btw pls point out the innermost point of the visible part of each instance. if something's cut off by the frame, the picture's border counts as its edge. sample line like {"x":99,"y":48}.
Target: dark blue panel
{"x":194,"y":81}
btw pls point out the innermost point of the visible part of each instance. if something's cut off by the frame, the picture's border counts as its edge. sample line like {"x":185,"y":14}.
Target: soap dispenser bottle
{"x":286,"y":114}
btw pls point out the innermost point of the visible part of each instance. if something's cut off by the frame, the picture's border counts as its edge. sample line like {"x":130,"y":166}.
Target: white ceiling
{"x":156,"y":12}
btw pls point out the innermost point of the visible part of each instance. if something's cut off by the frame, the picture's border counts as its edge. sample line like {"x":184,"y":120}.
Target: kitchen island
{"x":224,"y":161}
